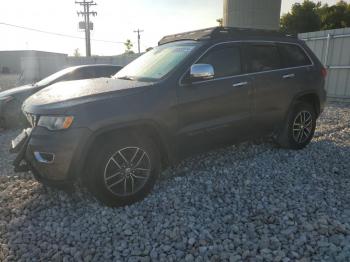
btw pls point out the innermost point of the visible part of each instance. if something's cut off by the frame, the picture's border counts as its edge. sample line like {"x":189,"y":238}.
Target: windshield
{"x":48,"y":80}
{"x":158,"y":62}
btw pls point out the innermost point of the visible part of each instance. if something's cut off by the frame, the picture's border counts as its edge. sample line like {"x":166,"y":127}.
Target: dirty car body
{"x":195,"y":102}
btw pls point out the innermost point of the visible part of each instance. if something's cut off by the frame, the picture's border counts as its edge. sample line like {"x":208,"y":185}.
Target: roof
{"x":96,"y":65}
{"x":30,"y":51}
{"x":218,"y":33}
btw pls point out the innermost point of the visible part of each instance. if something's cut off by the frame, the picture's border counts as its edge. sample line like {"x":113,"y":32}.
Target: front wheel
{"x":125,"y":170}
{"x":299,"y":128}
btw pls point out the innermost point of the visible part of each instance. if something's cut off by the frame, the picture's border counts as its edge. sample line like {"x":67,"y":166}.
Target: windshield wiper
{"x":126,"y":78}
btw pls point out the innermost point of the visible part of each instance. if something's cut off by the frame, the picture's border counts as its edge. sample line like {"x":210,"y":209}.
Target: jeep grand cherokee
{"x":195,"y":91}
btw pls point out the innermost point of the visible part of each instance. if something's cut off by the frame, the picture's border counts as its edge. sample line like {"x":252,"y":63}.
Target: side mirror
{"x":201,"y":72}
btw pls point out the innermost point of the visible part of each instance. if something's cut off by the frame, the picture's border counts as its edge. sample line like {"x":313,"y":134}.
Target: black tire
{"x":126,"y":143}
{"x":288,"y":137}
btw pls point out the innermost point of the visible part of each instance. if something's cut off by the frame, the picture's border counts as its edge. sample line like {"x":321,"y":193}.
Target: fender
{"x":163,"y":139}
{"x":314,"y":93}
{"x":297,"y":97}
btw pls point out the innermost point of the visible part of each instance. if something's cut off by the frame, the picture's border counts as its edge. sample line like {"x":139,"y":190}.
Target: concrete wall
{"x":36,"y":65}
{"x":8,"y":81}
{"x":332,"y":47}
{"x":261,"y":14}
{"x":114,"y":60}
{"x":13,"y":59}
{"x":36,"y":68}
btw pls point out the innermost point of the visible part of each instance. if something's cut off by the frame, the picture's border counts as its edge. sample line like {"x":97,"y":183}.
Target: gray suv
{"x":194,"y":92}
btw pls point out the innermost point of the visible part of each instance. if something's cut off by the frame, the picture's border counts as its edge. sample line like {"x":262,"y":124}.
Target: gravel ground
{"x":251,"y":202}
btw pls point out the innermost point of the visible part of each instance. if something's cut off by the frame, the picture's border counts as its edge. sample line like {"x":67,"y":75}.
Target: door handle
{"x":240,"y":84}
{"x":288,"y":76}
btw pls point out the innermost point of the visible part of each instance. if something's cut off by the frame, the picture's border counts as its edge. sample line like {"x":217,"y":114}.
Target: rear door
{"x":279,"y":72}
{"x":271,"y":95}
{"x":298,"y":70}
{"x":217,"y":111}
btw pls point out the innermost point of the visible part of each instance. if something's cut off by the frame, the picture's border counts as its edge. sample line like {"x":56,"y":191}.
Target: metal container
{"x":260,"y":14}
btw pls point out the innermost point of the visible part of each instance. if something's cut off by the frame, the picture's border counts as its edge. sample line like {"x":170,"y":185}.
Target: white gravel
{"x":251,"y":202}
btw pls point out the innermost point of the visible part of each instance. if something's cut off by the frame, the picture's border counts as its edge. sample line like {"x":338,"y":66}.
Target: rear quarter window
{"x":293,"y":55}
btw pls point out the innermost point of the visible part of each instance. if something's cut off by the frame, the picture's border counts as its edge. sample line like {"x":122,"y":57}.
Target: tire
{"x":294,"y":134}
{"x":125,"y":158}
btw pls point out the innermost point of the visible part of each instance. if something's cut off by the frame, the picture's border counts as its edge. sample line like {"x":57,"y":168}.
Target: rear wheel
{"x":299,"y":128}
{"x":125,"y":170}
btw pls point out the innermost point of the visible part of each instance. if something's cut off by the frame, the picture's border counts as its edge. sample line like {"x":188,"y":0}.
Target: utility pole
{"x":87,"y":25}
{"x":138,"y":31}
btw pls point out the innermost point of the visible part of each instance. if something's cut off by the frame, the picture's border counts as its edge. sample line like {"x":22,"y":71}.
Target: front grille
{"x":32,"y":119}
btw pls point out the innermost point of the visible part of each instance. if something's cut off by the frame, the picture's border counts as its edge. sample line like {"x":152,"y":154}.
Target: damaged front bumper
{"x":54,"y":158}
{"x":19,"y":145}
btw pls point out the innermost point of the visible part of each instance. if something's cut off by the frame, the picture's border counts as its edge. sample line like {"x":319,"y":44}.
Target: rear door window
{"x":261,"y":57}
{"x":226,"y":60}
{"x":105,"y":71}
{"x":87,"y":72}
{"x":293,"y":56}
{"x":78,"y":74}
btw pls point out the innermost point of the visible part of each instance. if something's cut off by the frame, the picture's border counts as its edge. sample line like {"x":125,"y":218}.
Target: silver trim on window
{"x":247,"y":74}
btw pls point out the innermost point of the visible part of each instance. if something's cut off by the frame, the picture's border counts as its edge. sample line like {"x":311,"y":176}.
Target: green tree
{"x":336,"y":16}
{"x":128,"y":46}
{"x":220,"y":21}
{"x":302,"y":18}
{"x":310,"y":16}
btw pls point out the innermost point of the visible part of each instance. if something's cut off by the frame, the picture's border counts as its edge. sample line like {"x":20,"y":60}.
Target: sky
{"x":116,"y":21}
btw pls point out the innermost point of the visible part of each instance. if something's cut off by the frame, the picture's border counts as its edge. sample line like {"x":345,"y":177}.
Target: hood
{"x":68,"y":94}
{"x":17,"y":90}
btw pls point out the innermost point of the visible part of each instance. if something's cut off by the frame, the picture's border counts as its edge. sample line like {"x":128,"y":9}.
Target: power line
{"x":86,"y":5}
{"x":57,"y":34}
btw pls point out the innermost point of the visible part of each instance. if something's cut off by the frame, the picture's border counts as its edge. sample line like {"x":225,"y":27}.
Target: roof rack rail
{"x":219,"y":33}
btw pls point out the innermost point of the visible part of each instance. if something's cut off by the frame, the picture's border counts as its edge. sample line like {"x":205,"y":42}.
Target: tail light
{"x":324,"y":72}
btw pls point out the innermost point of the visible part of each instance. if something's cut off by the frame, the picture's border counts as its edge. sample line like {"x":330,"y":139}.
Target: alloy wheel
{"x":302,"y":127}
{"x":127,"y":171}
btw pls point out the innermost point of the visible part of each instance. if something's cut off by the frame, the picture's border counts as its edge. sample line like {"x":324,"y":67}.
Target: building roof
{"x":29,"y":51}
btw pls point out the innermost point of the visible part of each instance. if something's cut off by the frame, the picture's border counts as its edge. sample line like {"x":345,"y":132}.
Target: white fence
{"x":332,"y":47}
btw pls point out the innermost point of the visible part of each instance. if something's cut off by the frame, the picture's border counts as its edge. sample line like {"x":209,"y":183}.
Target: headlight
{"x":55,"y":122}
{"x":6,"y":99}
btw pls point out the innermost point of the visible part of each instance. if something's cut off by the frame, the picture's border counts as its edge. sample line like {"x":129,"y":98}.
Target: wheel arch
{"x":311,"y":98}
{"x":143,"y":128}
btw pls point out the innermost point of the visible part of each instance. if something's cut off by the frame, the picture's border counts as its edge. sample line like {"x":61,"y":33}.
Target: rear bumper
{"x":54,"y":156}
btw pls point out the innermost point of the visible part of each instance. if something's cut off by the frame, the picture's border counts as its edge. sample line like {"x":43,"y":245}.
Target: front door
{"x":217,"y":111}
